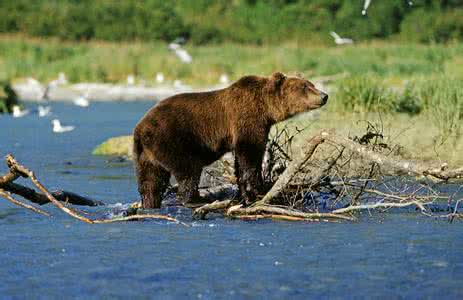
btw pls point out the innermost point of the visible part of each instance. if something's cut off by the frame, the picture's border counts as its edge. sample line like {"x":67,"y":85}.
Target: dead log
{"x":16,"y":171}
{"x":291,"y":171}
{"x":395,"y":165}
{"x":264,"y":209}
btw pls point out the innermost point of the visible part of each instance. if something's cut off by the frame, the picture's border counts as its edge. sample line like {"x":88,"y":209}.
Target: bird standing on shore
{"x":130,"y":79}
{"x":339,"y":40}
{"x":159,"y":77}
{"x":181,"y":53}
{"x":224,"y":79}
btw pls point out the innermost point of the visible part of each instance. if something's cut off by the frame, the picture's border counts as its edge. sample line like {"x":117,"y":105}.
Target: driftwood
{"x":307,"y":173}
{"x":16,"y":170}
{"x":321,"y":167}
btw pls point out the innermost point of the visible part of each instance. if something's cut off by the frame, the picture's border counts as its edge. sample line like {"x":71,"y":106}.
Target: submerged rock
{"x":121,"y":146}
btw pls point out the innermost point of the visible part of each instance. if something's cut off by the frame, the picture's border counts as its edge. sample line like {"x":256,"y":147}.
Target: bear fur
{"x":186,"y":132}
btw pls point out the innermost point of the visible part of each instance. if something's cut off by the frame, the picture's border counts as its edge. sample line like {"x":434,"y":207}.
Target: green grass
{"x":389,"y":78}
{"x":112,"y":62}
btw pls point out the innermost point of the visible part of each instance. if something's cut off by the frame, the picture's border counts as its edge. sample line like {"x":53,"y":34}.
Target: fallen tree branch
{"x":380,"y":205}
{"x":395,"y":164}
{"x":287,"y":176}
{"x":139,"y":217}
{"x":19,"y":170}
{"x":264,"y":209}
{"x":16,"y":171}
{"x":202,"y":211}
{"x":41,"y":199}
{"x":8,"y":197}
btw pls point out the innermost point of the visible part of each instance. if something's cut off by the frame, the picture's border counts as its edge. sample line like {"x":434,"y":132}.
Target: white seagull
{"x":43,"y":111}
{"x":181,"y":53}
{"x":18,"y":113}
{"x":131,"y":79}
{"x":365,"y":6}
{"x":224,"y":79}
{"x":57,"y":128}
{"x":82,"y":100}
{"x":62,"y":79}
{"x":159,"y":77}
{"x":339,"y":40}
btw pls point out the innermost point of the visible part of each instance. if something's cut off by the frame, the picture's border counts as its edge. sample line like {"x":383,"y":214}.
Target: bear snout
{"x":324,"y":98}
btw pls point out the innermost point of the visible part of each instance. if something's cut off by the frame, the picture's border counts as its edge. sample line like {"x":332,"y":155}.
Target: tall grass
{"x":112,"y":62}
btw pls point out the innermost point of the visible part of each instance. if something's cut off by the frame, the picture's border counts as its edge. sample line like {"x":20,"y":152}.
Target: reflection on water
{"x":384,"y":255}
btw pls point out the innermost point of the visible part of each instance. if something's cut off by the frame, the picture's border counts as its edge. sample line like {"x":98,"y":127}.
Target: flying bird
{"x":339,"y":40}
{"x":366,"y":4}
{"x":58,"y":128}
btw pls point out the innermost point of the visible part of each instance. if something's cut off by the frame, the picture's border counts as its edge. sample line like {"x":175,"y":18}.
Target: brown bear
{"x":184,"y":133}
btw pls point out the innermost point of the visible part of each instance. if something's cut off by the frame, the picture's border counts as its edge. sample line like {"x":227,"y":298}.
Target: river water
{"x":401,"y":254}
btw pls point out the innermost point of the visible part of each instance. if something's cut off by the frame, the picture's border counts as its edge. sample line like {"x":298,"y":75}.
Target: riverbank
{"x":32,"y":91}
{"x":411,"y":138}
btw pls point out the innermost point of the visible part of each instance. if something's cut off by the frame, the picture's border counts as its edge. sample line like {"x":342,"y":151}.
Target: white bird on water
{"x":339,"y":40}
{"x":159,"y":77}
{"x":180,"y":52}
{"x":18,"y":113}
{"x":43,"y":110}
{"x":57,"y":128}
{"x":82,"y":100}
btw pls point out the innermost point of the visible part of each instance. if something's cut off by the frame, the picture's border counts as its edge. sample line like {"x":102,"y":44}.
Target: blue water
{"x":392,"y":255}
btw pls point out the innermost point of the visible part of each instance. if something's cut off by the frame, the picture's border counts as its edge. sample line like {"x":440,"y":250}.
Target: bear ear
{"x":277,"y":79}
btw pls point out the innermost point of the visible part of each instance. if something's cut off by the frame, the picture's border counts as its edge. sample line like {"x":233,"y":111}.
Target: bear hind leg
{"x":188,"y":188}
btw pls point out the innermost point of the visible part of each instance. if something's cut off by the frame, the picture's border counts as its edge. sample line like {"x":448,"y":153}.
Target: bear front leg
{"x":153,"y":180}
{"x":249,"y":163}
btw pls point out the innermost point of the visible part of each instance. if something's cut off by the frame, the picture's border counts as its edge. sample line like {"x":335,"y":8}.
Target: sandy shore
{"x":33,"y":92}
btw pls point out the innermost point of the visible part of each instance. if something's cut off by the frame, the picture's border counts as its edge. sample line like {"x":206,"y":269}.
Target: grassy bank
{"x":401,"y":80}
{"x":412,"y":138}
{"x":112,"y":62}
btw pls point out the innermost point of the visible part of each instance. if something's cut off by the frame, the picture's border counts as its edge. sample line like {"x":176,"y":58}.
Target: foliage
{"x":364,"y":94}
{"x":8,"y":97}
{"x":433,"y":26}
{"x":242,"y":21}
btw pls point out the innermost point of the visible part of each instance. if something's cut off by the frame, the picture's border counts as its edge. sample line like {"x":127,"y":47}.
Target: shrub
{"x":424,"y":25}
{"x":364,"y":94}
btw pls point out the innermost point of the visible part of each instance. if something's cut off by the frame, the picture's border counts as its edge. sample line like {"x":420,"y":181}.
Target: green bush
{"x":442,"y":100}
{"x":425,"y":25}
{"x":364,"y":94}
{"x":242,"y":21}
{"x":8,"y":97}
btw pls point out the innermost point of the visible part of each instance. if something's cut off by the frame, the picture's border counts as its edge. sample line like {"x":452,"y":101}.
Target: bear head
{"x":294,"y":95}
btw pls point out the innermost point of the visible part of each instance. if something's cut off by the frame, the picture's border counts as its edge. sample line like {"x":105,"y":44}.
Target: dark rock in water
{"x":117,"y":159}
